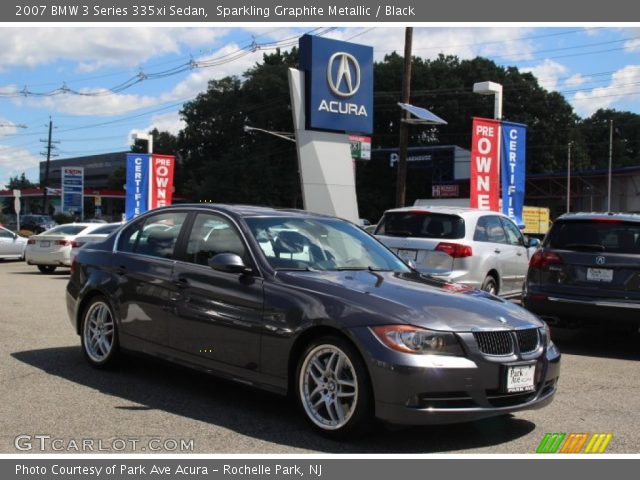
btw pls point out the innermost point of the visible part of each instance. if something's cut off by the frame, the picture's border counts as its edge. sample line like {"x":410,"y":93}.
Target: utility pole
{"x":569,"y":177}
{"x":401,"y":180}
{"x":610,"y":163}
{"x":49,"y":142}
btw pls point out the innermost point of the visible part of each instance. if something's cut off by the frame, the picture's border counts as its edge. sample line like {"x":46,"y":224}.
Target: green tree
{"x":20,"y":182}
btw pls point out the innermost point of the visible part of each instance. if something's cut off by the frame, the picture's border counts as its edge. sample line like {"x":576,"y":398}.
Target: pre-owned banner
{"x":513,"y":154}
{"x":485,"y":164}
{"x":137,"y":199}
{"x":161,"y":192}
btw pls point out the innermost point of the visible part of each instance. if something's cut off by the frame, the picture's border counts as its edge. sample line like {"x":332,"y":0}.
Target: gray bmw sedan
{"x":312,"y":306}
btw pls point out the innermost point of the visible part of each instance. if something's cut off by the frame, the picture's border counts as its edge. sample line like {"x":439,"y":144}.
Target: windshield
{"x":421,"y":224}
{"x":597,"y":236}
{"x":320,"y":244}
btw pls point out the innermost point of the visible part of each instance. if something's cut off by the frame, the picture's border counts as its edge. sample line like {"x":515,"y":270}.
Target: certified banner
{"x":513,"y":154}
{"x":73,"y":191}
{"x":137,"y":199}
{"x":485,"y":164}
{"x":161,"y":192}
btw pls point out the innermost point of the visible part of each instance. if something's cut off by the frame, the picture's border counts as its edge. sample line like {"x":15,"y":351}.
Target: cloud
{"x":166,"y":122}
{"x":548,"y":73}
{"x":575,"y":80}
{"x":122,"y":103}
{"x":14,"y":161}
{"x":624,"y":86}
{"x":97,"y":47}
{"x":465,"y":42}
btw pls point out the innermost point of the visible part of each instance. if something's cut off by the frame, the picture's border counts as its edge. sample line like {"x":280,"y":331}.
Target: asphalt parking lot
{"x":48,"y":389}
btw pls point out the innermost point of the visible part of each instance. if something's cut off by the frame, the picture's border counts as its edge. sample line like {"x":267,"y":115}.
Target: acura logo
{"x":600,"y":260}
{"x":346,"y":80}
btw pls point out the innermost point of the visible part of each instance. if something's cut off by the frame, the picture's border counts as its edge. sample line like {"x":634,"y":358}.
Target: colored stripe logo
{"x":574,"y":443}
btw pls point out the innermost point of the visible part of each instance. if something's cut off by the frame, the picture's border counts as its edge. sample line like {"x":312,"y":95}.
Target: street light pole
{"x":610,"y":164}
{"x":491,"y":88}
{"x":401,"y":180}
{"x":569,"y":177}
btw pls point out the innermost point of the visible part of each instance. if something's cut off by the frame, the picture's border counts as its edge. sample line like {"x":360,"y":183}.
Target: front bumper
{"x":433,"y":389}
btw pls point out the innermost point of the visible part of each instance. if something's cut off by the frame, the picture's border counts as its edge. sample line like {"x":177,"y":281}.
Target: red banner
{"x":485,"y":164}
{"x":161,"y":192}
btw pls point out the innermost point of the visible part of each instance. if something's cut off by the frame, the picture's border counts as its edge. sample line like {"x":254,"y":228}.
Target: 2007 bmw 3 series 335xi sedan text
{"x":308,"y":305}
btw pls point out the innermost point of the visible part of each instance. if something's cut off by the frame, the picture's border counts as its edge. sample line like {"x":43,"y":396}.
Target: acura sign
{"x":338,"y":85}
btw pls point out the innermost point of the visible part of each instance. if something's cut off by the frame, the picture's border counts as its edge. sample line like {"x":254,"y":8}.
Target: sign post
{"x":17,"y":207}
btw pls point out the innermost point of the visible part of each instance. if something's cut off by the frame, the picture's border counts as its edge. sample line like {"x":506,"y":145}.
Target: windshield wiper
{"x":296,"y":269}
{"x":370,"y":268}
{"x":585,"y":246}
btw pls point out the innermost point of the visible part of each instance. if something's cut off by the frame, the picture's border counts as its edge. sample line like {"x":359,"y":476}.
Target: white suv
{"x":480,"y":248}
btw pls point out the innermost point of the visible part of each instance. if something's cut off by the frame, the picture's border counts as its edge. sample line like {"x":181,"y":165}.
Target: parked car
{"x":97,"y":235}
{"x":12,"y":245}
{"x":52,"y":249}
{"x":480,"y":248}
{"x":587,"y":271}
{"x":35,"y":223}
{"x":302,"y":303}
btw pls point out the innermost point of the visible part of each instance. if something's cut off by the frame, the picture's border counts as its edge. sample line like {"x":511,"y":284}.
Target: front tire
{"x":333,"y":388}
{"x":490,"y":285}
{"x":99,"y":334}
{"x":46,"y":268}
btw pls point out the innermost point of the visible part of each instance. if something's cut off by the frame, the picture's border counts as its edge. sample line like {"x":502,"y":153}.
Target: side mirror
{"x":533,"y":243}
{"x":15,"y":236}
{"x":228,"y":263}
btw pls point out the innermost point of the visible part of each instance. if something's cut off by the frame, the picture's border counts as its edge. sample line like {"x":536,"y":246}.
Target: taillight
{"x":64,"y":243}
{"x":75,"y":244}
{"x":454,"y":250}
{"x":544,"y":259}
{"x":31,"y":241}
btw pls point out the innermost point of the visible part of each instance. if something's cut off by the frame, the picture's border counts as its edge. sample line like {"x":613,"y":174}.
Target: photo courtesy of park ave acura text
{"x":314,"y":238}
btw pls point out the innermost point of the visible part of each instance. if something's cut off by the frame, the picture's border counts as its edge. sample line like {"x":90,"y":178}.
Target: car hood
{"x":412,"y":298}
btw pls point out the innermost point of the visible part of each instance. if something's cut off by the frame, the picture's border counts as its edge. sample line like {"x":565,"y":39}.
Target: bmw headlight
{"x":410,"y":339}
{"x":545,"y":332}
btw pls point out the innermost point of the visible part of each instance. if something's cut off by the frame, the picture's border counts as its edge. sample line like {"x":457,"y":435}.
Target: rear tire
{"x":333,"y":388}
{"x":99,"y":334}
{"x":47,"y":268}
{"x":490,"y":285}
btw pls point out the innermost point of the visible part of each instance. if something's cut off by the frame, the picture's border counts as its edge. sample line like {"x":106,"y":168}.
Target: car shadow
{"x":597,"y":342}
{"x":252,"y":412}
{"x":56,"y":273}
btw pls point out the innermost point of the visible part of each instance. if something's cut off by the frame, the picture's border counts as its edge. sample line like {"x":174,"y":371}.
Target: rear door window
{"x":421,"y":224}
{"x":156,"y":236}
{"x":489,"y":229}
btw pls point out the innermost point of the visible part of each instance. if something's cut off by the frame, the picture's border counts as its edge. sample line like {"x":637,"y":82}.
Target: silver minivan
{"x":480,"y":248}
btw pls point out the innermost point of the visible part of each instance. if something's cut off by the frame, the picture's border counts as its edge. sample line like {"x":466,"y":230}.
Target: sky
{"x":99,"y":85}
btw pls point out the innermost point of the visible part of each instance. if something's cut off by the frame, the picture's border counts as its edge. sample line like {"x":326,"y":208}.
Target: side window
{"x":494,"y":230}
{"x":481,"y":233}
{"x":514,"y":237}
{"x":156,"y":236}
{"x":210,"y":235}
{"x":5,"y":234}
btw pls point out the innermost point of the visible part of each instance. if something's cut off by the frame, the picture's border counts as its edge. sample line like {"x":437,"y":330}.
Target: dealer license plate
{"x":521,"y":378}
{"x":599,"y":274}
{"x":45,"y":243}
{"x":408,"y":254}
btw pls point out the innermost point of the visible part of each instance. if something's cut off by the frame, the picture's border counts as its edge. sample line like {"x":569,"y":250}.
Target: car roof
{"x":623,"y":217}
{"x":248,"y":210}
{"x":466,"y":212}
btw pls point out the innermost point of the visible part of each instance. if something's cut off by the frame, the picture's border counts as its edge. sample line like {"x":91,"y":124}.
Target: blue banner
{"x":512,"y":171}
{"x":137,"y":200}
{"x":338,"y":85}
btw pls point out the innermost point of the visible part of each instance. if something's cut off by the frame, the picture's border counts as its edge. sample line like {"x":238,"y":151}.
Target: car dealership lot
{"x":49,"y":389}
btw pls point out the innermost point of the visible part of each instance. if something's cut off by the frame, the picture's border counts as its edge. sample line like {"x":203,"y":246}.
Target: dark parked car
{"x":35,"y":223}
{"x":295,"y":302}
{"x":587,"y":271}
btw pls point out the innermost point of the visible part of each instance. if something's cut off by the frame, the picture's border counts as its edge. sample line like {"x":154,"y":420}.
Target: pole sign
{"x":161,"y":191}
{"x":338,"y":85}
{"x":137,"y":199}
{"x":514,"y":139}
{"x":73,"y":191}
{"x":485,"y":164}
{"x":149,"y":182}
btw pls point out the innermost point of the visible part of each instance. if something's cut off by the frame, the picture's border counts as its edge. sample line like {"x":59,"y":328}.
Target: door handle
{"x":181,"y":283}
{"x":519,"y":254}
{"x":497,"y":250}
